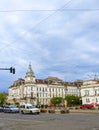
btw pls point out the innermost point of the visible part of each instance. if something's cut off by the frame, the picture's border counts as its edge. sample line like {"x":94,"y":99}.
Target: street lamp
{"x":65,"y":101}
{"x":65,"y":91}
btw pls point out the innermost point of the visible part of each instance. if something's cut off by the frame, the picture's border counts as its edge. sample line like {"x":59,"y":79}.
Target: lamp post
{"x":65,"y":101}
{"x":65,"y":91}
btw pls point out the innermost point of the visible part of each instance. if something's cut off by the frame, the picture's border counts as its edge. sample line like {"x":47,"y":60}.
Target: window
{"x":87,"y":100}
{"x":86,"y":92}
{"x":40,"y":95}
{"x":96,"y":91}
{"x":53,"y":89}
{"x":31,"y":94}
{"x":22,"y":106}
{"x":96,"y":100}
{"x":43,"y":89}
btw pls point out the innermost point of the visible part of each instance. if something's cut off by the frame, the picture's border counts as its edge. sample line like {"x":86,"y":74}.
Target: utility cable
{"x":65,"y":5}
{"x":60,"y":10}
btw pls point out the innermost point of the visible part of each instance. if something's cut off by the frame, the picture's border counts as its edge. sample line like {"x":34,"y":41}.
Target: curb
{"x":85,"y":111}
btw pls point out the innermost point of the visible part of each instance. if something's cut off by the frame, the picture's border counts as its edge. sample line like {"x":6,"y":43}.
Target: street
{"x":46,"y":121}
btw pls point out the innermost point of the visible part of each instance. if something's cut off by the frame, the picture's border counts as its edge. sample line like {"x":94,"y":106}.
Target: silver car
{"x":11,"y":109}
{"x":1,"y":109}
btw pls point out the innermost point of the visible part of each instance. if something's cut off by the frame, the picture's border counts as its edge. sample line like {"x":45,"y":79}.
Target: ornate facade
{"x":38,"y":91}
{"x":90,"y":92}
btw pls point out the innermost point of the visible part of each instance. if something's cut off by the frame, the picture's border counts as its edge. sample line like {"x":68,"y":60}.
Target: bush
{"x":76,"y":108}
{"x":42,"y":106}
{"x":64,"y":111}
{"x":46,"y":106}
{"x":43,"y":110}
{"x":51,"y":111}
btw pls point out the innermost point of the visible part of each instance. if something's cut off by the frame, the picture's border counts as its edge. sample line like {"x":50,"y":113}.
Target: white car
{"x":29,"y":108}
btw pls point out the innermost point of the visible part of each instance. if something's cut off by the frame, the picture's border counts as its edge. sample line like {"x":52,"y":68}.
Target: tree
{"x":3,"y":98}
{"x":73,"y":100}
{"x":56,"y":100}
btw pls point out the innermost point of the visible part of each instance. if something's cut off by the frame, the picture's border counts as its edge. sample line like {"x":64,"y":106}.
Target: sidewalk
{"x":84,"y":111}
{"x":71,"y":111}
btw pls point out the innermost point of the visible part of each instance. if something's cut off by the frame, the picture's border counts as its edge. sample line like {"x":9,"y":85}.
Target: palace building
{"x":40,"y":91}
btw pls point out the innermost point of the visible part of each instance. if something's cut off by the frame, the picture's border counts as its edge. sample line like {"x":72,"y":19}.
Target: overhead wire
{"x":44,"y":10}
{"x":41,"y":21}
{"x":65,"y":5}
{"x":55,"y":11}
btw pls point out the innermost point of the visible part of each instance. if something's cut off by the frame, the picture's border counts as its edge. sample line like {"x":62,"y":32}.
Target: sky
{"x":59,"y":38}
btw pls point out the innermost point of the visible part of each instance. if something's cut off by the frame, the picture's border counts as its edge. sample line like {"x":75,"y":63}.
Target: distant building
{"x":38,"y":91}
{"x":72,"y":89}
{"x":90,"y":92}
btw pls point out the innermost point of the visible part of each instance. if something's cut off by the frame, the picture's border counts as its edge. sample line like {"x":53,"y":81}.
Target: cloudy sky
{"x":60,"y":38}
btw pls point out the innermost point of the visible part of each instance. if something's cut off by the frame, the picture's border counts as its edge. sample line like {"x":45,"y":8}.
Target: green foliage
{"x":17,"y":104}
{"x":56,"y":100}
{"x":73,"y":100}
{"x":3,"y":98}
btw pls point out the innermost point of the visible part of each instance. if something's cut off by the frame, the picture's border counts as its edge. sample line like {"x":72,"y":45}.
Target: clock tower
{"x":30,"y":77}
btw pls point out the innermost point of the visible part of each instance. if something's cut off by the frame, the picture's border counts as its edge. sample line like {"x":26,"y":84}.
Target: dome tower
{"x":30,"y":77}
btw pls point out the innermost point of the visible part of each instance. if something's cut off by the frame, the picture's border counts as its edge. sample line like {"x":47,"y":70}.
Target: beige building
{"x":38,"y":91}
{"x":90,"y":92}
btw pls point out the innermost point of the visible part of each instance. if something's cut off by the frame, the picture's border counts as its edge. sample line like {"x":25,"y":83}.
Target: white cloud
{"x":57,"y":74}
{"x":13,"y":19}
{"x":54,"y":43}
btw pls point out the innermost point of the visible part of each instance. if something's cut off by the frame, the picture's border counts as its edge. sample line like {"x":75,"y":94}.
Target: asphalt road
{"x":47,"y":121}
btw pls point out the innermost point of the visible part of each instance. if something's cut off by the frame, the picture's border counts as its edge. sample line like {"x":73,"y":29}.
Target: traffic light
{"x":12,"y":70}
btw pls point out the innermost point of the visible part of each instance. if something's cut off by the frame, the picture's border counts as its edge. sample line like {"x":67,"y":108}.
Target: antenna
{"x":95,"y":77}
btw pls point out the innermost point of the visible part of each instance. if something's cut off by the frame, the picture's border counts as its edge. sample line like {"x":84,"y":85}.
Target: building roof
{"x":18,"y":82}
{"x":69,"y":84}
{"x":53,"y":78}
{"x":40,"y":81}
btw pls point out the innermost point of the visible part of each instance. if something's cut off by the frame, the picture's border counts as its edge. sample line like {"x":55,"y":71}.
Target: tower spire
{"x":30,"y":77}
{"x":30,"y":71}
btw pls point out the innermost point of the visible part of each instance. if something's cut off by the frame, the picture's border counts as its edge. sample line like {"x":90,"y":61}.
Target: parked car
{"x":86,"y":106}
{"x":1,"y":109}
{"x":29,"y":108}
{"x":11,"y":109}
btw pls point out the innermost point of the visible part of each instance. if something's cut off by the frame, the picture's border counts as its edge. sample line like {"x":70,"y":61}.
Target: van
{"x":29,"y":108}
